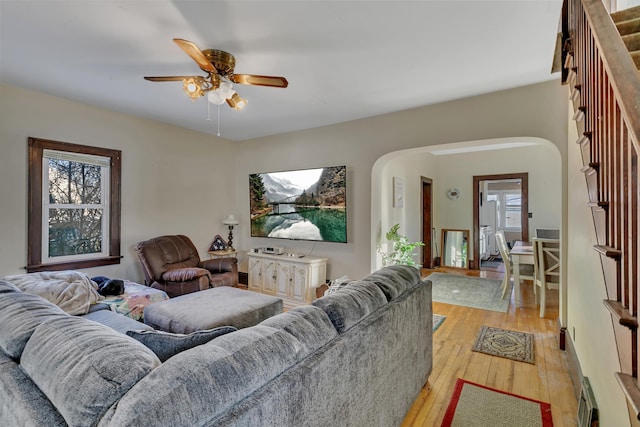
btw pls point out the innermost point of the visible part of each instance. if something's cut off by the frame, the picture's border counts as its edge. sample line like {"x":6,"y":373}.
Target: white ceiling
{"x":344,"y":60}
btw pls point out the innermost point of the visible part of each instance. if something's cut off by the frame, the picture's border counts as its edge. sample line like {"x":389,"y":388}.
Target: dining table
{"x":521,"y":253}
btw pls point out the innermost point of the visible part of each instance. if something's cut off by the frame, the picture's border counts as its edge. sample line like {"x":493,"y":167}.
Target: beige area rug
{"x":475,"y":292}
{"x":475,"y":405}
{"x":504,"y":343}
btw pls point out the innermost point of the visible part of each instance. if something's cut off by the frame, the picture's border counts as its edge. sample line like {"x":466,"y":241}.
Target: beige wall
{"x":169,"y":185}
{"x":589,"y":323}
{"x":410,"y":166}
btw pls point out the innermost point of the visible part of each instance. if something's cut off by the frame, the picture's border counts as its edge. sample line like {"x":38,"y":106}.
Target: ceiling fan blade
{"x":250,"y":79}
{"x":168,"y":78}
{"x":196,"y":54}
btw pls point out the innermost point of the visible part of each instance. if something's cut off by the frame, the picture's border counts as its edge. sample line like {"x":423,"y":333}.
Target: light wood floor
{"x":548,"y":380}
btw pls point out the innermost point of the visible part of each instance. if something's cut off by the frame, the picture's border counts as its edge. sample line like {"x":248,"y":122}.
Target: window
{"x":74,"y":206}
{"x":512,"y":210}
{"x":508,"y":209}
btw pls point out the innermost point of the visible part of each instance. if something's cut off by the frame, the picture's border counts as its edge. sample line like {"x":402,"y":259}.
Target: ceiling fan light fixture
{"x":237,"y":102}
{"x":226,"y":89}
{"x":192,"y":88}
{"x":223,"y":92}
{"x":215,"y":97}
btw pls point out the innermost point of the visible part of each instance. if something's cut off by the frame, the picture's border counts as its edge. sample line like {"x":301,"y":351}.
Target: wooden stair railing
{"x":601,"y":56}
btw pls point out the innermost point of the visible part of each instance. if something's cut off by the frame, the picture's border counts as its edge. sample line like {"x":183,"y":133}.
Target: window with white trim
{"x":75,"y":209}
{"x":74,"y":206}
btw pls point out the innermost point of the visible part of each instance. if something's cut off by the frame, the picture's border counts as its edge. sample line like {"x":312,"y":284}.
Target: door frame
{"x":426,"y":223}
{"x":524,"y":209}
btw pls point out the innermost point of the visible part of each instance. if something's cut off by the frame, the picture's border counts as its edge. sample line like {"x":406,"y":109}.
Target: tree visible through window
{"x":74,"y":211}
{"x":78,"y":205}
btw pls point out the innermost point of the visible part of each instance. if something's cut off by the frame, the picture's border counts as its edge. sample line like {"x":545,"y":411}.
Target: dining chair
{"x":547,"y":267}
{"x":526,"y":271}
{"x":547,"y":233}
{"x":506,"y":258}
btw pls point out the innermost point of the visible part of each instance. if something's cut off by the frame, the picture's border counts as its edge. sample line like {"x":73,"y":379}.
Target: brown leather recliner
{"x":172,"y":264}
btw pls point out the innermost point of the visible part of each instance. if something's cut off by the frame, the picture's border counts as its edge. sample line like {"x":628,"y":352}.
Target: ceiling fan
{"x":218,"y":83}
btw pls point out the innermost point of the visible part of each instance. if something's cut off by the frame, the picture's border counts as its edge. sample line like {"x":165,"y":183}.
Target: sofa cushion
{"x":22,"y":403}
{"x":353,"y":302}
{"x":203,"y":382}
{"x":167,"y":344}
{"x":20,"y":314}
{"x":7,"y":287}
{"x":84,"y":367}
{"x":184,"y":274}
{"x":308,"y":324}
{"x":394,"y":280}
{"x":116,"y":321}
{"x":224,"y":279}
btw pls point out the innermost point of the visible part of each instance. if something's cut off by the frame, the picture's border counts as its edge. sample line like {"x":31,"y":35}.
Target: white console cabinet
{"x":287,"y":277}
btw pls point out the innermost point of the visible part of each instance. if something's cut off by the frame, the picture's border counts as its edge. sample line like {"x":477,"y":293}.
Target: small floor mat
{"x":512,"y":345}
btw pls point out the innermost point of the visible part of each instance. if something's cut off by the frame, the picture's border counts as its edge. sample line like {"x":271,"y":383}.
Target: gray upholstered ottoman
{"x":208,"y":309}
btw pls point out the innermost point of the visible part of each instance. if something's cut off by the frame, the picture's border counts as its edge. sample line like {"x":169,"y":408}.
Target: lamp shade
{"x":220,"y":95}
{"x":216,"y":98}
{"x":231,"y":220}
{"x":193,"y":87}
{"x":237,"y":102}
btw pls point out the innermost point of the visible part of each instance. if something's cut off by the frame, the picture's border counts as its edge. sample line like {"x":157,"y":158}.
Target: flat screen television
{"x":305,"y":204}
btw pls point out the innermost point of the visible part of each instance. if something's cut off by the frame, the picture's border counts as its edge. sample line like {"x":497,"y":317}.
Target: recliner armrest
{"x":184,"y":274}
{"x":221,"y":265}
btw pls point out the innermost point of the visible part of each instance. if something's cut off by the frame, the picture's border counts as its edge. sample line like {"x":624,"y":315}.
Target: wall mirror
{"x":455,"y":245}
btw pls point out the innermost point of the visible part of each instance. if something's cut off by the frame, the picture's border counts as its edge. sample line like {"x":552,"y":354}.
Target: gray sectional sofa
{"x":356,"y":357}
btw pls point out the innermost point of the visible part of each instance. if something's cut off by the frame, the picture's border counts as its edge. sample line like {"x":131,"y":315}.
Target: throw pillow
{"x":337,"y":284}
{"x":166,"y":344}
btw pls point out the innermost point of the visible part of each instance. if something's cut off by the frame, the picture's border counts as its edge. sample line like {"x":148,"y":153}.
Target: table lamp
{"x":230,"y":221}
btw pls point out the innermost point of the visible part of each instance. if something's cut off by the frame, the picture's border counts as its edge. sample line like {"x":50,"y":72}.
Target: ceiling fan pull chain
{"x":218,"y":120}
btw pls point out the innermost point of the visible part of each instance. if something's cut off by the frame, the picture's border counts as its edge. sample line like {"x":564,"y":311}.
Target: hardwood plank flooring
{"x":548,"y":380}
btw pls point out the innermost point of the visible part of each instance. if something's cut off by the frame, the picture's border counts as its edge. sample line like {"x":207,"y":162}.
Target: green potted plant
{"x":401,"y":252}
